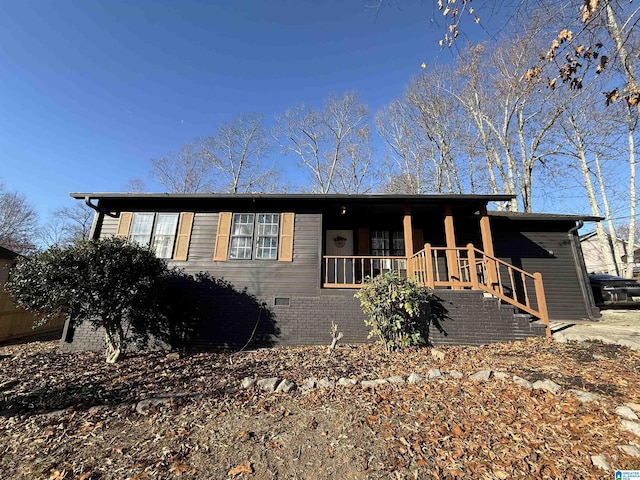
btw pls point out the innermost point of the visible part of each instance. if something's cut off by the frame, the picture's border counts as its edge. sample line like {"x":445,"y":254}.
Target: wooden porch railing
{"x":442,"y":267}
{"x":469,"y":267}
{"x":349,"y":271}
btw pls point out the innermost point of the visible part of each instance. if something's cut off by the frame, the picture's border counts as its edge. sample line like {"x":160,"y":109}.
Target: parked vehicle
{"x":609,"y":290}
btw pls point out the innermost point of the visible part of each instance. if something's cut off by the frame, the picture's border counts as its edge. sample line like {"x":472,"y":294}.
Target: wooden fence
{"x":17,"y":324}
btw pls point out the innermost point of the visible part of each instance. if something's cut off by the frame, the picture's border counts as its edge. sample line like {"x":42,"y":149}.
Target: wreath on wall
{"x":339,"y":241}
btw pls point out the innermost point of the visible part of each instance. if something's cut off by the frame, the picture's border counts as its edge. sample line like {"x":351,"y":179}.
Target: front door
{"x":339,"y":243}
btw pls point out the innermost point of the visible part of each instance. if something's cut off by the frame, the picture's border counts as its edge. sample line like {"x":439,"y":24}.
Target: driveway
{"x":617,"y":326}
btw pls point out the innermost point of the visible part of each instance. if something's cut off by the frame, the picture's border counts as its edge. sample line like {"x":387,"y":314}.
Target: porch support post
{"x":487,"y":246}
{"x":428,"y":265}
{"x":408,"y":238}
{"x":450,"y":237}
{"x":485,"y":232}
{"x":542,"y":302}
{"x":473,"y":271}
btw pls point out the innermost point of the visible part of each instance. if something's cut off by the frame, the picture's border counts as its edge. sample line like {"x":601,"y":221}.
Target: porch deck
{"x":445,"y":267}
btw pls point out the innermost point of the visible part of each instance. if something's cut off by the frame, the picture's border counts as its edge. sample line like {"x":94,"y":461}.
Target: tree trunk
{"x":115,"y":347}
{"x":631,"y":239}
{"x":604,"y":242}
{"x":613,"y":238}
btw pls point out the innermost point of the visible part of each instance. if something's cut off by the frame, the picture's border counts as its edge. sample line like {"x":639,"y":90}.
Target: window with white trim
{"x":155,"y":230}
{"x":254,"y":236}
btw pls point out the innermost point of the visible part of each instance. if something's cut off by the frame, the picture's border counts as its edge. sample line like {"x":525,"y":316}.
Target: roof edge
{"x":543,"y":216}
{"x":309,"y":196}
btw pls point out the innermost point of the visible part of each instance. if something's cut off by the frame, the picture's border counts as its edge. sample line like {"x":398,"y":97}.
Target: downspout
{"x":87,"y":200}
{"x":96,"y":225}
{"x":593,"y":312}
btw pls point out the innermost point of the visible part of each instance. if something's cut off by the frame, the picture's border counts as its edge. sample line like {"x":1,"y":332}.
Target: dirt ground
{"x":71,"y":416}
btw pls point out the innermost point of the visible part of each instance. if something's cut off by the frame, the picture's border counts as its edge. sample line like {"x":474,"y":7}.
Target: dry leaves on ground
{"x":70,"y":415}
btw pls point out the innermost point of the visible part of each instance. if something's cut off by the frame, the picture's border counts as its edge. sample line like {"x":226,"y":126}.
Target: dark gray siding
{"x":544,"y":247}
{"x":263,"y":278}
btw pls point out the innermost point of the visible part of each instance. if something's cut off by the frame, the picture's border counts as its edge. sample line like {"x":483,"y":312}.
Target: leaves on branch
{"x":565,"y":36}
{"x":603,"y":63}
{"x":454,"y":10}
{"x":633,"y":98}
{"x":588,"y":8}
{"x":611,"y":96}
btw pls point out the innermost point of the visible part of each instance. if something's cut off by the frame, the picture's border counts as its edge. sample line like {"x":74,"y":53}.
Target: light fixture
{"x":343,"y":210}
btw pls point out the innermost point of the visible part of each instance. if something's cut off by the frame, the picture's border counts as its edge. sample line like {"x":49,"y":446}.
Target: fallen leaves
{"x":240,"y":469}
{"x":75,"y":417}
{"x":179,"y":468}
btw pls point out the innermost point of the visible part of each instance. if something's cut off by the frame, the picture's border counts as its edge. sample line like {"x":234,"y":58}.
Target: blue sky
{"x":90,"y":91}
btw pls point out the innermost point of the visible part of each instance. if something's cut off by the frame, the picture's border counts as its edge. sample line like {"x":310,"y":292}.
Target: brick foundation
{"x":471,"y":319}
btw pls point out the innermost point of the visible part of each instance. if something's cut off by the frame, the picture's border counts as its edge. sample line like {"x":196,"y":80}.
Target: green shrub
{"x":112,"y":284}
{"x":398,"y":310}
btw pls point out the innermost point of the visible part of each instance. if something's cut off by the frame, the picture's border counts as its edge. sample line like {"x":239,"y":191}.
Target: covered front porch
{"x":441,"y":245}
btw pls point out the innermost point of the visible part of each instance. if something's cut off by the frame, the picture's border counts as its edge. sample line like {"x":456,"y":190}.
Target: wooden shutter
{"x":286,"y":237}
{"x":363,"y":241}
{"x":418,"y":240}
{"x":181,"y":248}
{"x":222,"y":237}
{"x":124,"y":224}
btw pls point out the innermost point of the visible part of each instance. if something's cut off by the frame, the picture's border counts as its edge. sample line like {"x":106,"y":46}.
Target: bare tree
{"x":408,"y":168}
{"x":237,"y":154}
{"x":356,"y":173}
{"x":424,"y":133}
{"x":588,"y":130}
{"x":18,"y":222}
{"x":441,"y":118}
{"x":514,"y":119}
{"x":135,"y":185}
{"x":631,"y":118}
{"x":185,"y":171}
{"x":67,"y":225}
{"x":78,"y":218}
{"x":332,"y":144}
{"x":54,"y":232}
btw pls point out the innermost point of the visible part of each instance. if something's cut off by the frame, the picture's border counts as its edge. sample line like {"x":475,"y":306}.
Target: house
{"x":598,"y":261}
{"x":16,"y":324}
{"x":500,"y":276}
{"x":8,"y":258}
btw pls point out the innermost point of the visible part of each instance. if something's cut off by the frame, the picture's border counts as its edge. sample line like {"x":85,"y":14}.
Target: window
{"x":267,"y":241}
{"x":386,"y":243}
{"x":141,"y":227}
{"x":155,"y":230}
{"x":254,"y":236}
{"x":165,"y":234}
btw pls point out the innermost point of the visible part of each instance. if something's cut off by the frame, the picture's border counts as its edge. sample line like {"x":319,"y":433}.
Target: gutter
{"x":87,"y":200}
{"x":589,"y":302}
{"x":96,"y":225}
